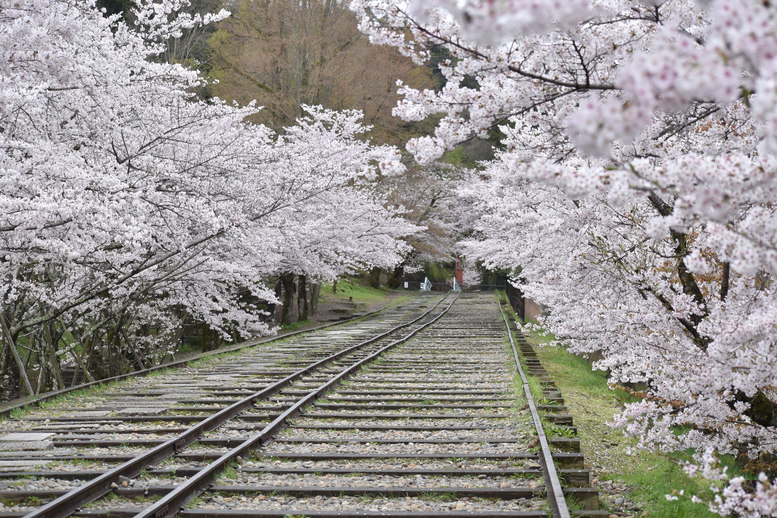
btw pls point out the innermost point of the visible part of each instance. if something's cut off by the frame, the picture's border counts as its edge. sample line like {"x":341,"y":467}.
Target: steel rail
{"x":555,"y":492}
{"x":173,"y":502}
{"x":102,"y":484}
{"x":40,"y":398}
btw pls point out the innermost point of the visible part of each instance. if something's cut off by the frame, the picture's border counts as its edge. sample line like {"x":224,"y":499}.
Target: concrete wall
{"x":533,"y":310}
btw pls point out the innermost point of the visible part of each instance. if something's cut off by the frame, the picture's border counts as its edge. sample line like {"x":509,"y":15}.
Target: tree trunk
{"x":725,"y":279}
{"x":374,"y":277}
{"x":9,"y":375}
{"x":91,"y":363}
{"x":51,"y":351}
{"x":273,"y":308}
{"x":287,"y":281}
{"x":395,"y":277}
{"x":40,"y":383}
{"x":87,"y":375}
{"x":11,"y":345}
{"x":302,"y":298}
{"x":315,"y":291}
{"x":210,"y":338}
{"x":113,"y":342}
{"x":112,"y":348}
{"x":687,"y":280}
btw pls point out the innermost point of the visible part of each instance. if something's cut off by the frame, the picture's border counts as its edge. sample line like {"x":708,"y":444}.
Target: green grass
{"x":585,"y":378}
{"x":593,"y":403}
{"x":433,"y":496}
{"x":229,"y":473}
{"x":556,"y":431}
{"x":27,"y":501}
{"x":296,"y":325}
{"x":652,"y":475}
{"x":523,"y":476}
{"x":457,"y":156}
{"x":535,"y":387}
{"x":348,"y":291}
{"x":187,"y":348}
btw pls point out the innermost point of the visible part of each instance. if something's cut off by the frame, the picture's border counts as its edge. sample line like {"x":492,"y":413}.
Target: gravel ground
{"x":117,"y":450}
{"x":496,"y":423}
{"x":176,"y":464}
{"x":405,"y":435}
{"x":418,"y":381}
{"x":107,"y":427}
{"x":493,"y":381}
{"x":278,"y":449}
{"x":111,"y":436}
{"x":420,"y":387}
{"x":393,"y":464}
{"x":464,"y":413}
{"x":410,"y":398}
{"x":347,"y":503}
{"x":373,"y":480}
{"x":18,"y":507}
{"x":65,"y":466}
{"x":149,"y":481}
{"x":228,"y":434}
{"x":39,"y":484}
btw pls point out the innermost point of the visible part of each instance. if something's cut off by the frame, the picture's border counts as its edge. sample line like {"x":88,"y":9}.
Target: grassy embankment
{"x":347,"y":293}
{"x":649,"y":475}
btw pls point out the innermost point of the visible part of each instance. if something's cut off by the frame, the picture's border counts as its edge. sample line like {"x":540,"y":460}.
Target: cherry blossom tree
{"x":635,"y":188}
{"x":128,"y":205}
{"x":428,"y":195}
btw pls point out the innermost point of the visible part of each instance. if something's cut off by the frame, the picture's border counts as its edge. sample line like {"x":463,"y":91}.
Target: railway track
{"x":413,"y":413}
{"x":9,"y":409}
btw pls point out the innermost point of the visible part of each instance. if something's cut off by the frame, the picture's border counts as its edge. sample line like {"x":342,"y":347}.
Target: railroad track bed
{"x":421,"y":425}
{"x":89,"y":435}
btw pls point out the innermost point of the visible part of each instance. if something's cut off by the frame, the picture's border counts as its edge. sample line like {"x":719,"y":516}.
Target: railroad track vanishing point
{"x":410,"y":413}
